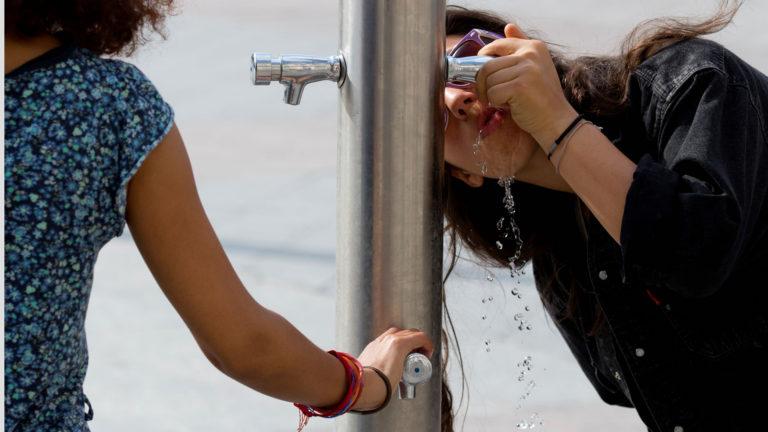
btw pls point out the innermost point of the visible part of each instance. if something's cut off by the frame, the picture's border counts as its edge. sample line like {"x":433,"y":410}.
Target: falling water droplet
{"x":531,"y":423}
{"x":476,"y":152}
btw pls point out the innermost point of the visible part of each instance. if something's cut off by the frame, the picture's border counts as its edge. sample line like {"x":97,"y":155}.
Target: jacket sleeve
{"x":689,"y":212}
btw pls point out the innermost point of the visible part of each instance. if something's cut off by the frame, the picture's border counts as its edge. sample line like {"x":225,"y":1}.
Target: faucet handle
{"x":295,"y":72}
{"x":417,"y":369}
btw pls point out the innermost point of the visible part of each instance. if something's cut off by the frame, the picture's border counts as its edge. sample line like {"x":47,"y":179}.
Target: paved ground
{"x":266,"y":173}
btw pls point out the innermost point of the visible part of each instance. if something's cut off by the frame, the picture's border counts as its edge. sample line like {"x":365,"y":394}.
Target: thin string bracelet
{"x":565,"y":142}
{"x":562,"y":135}
{"x":567,"y":139}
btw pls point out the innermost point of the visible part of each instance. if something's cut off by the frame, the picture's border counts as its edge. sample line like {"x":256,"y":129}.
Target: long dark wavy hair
{"x":549,"y":221}
{"x":105,"y":27}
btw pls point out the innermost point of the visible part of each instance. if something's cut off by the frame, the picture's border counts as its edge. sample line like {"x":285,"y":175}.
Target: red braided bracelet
{"x":354,"y":373}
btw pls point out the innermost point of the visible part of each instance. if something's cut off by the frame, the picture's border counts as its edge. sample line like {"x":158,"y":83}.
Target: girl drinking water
{"x":641,"y":193}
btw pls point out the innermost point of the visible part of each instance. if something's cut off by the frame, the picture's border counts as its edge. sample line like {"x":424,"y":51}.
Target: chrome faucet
{"x":417,"y":370}
{"x":464,"y":68}
{"x":295,"y":72}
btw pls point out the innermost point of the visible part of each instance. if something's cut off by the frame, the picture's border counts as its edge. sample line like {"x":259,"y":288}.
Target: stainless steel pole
{"x":390,"y":159}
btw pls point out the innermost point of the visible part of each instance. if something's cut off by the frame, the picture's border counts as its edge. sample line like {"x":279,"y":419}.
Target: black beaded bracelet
{"x":387,"y":384}
{"x":560,"y":138}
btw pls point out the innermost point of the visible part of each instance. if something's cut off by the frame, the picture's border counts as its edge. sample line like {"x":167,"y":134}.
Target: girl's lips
{"x":490,"y":119}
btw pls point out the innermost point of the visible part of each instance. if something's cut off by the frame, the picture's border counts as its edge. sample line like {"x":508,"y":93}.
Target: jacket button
{"x":678,"y":429}
{"x":602,"y":275}
{"x":640,"y":352}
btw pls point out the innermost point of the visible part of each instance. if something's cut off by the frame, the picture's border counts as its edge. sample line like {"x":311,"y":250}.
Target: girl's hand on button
{"x":387,"y":353}
{"x":524,"y":78}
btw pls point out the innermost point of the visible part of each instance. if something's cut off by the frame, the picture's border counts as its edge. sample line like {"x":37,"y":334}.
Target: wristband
{"x":387,"y":384}
{"x":354,"y":373}
{"x":562,"y":135}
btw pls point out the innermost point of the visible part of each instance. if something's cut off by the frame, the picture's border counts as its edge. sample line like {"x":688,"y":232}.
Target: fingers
{"x":407,"y":340}
{"x":419,"y":341}
{"x":390,"y":331}
{"x":508,"y":74}
{"x":502,"y":47}
{"x":491,"y":68}
{"x":513,"y":51}
{"x":411,"y":340}
{"x":501,"y":94}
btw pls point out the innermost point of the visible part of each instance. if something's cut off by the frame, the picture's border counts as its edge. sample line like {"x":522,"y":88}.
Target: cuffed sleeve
{"x":689,"y":212}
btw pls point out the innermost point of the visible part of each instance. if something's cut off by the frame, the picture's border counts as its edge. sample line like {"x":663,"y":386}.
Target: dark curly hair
{"x":103,"y":26}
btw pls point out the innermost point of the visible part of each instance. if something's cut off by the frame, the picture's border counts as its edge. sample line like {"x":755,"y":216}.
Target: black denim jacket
{"x":685,"y":340}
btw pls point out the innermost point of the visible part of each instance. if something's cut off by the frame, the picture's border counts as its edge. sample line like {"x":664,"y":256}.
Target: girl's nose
{"x":459,"y":101}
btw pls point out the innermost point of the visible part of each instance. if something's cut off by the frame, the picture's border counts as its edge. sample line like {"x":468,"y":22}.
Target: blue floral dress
{"x":77,"y":127}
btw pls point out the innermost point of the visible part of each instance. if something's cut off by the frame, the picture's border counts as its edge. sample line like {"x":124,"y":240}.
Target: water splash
{"x":525,"y":366}
{"x":522,"y":323}
{"x":528,"y":389}
{"x":476,"y":152}
{"x":531,"y":423}
{"x":511,"y":229}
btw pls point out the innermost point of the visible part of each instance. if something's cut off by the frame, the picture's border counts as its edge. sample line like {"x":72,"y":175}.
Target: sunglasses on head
{"x":468,"y":46}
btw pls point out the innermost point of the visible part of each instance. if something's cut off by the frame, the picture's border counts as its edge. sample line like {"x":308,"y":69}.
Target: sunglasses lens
{"x":466,"y":49}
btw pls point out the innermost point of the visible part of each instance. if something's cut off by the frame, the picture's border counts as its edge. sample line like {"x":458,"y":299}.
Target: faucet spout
{"x":295,"y":72}
{"x":464,"y":68}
